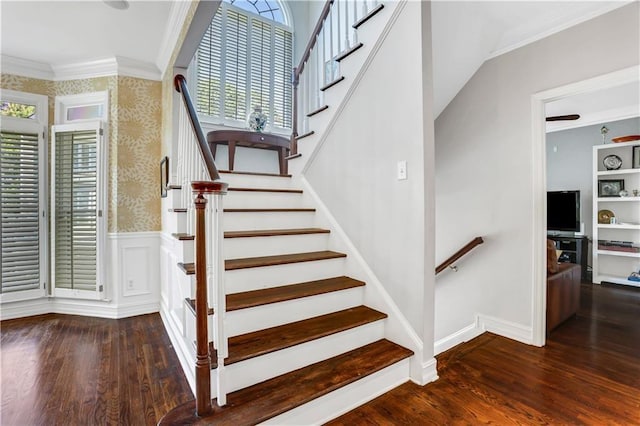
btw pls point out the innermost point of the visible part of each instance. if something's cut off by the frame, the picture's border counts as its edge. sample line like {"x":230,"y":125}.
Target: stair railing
{"x":197,"y":170}
{"x":332,"y":39}
{"x":449,"y":263}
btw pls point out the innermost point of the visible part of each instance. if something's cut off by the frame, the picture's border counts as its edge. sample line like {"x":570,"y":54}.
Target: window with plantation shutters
{"x":76,"y":209}
{"x":21,"y":209}
{"x":243,"y":61}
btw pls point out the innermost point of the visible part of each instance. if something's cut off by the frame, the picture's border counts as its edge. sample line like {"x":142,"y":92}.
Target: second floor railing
{"x":332,"y":39}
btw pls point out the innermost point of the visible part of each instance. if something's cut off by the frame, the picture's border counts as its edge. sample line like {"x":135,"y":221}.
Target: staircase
{"x":304,"y":342}
{"x":301,"y":338}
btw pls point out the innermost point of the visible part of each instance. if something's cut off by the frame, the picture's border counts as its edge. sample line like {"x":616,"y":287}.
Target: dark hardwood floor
{"x":588,"y":373}
{"x":72,"y":370}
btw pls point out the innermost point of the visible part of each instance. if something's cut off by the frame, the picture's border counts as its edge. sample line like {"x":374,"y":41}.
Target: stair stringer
{"x":397,"y":327}
{"x":372,"y":34}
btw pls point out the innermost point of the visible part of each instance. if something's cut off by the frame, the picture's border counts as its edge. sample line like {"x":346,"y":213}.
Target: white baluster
{"x":219,"y":289}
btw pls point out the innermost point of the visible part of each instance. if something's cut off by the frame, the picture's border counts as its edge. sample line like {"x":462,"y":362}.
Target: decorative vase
{"x":257,"y":119}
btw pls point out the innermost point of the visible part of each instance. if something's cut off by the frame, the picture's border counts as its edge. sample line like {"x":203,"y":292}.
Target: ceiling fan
{"x":563,"y":117}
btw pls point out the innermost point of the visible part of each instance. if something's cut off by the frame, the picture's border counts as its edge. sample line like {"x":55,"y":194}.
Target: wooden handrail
{"x":312,"y":42}
{"x":181,"y":86}
{"x":457,"y":255}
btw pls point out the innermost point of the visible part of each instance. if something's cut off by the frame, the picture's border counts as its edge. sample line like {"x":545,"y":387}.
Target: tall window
{"x":23,"y":160}
{"x":244,"y":61}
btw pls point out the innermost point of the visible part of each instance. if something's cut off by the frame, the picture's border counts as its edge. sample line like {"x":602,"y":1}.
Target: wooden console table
{"x":245,"y":138}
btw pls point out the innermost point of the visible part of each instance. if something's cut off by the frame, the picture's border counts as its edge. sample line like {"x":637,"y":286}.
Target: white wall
{"x":354,"y":171}
{"x":569,"y":161}
{"x":484,"y":169}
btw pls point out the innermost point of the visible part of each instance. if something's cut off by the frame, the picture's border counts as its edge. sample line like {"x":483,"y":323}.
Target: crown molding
{"x":177,"y":16}
{"x":83,"y":70}
{"x":25,"y":68}
{"x":117,"y":66}
{"x":134,"y":68}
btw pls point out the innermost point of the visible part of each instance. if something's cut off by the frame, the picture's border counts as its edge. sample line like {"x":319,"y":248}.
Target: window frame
{"x":39,"y":125}
{"x":101,"y":222}
{"x":210,"y":122}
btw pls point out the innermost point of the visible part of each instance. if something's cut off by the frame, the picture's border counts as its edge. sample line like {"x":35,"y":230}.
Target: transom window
{"x":245,"y":61}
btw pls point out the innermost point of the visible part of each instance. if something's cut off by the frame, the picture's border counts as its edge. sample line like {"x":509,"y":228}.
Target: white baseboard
{"x":463,"y":335}
{"x":508,"y":329}
{"x":429,"y":371}
{"x":24,"y":308}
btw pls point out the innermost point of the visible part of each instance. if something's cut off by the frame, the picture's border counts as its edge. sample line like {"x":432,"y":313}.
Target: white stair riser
{"x":245,"y":321}
{"x":265,"y":246}
{"x":186,"y":250}
{"x":263,"y":200}
{"x":272,"y":276}
{"x":173,"y":223}
{"x":255,"y":370}
{"x":173,"y":200}
{"x":345,"y":399}
{"x":253,"y":181}
{"x":267,"y":220}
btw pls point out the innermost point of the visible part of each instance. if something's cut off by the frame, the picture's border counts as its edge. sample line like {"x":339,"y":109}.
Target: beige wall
{"x":134,"y":146}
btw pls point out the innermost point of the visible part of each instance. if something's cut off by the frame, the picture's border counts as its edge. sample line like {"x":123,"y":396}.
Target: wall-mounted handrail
{"x":181,"y":86}
{"x":457,"y":255}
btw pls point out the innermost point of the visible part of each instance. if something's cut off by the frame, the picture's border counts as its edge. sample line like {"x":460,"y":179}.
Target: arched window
{"x":244,"y":61}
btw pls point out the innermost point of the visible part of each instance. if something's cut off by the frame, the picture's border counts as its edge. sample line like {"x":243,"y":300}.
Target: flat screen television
{"x":563,"y":211}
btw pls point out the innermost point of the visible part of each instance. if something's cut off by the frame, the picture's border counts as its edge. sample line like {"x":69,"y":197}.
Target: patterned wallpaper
{"x":134,"y":142}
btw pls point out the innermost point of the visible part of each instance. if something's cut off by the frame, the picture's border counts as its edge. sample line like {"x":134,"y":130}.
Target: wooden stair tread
{"x":317,"y":111}
{"x":293,"y":156}
{"x":274,"y":232}
{"x":292,"y":191}
{"x":183,"y":237}
{"x":282,"y":210}
{"x":187,"y":268}
{"x":266,"y":296}
{"x":262,"y":342}
{"x":191,"y":304}
{"x":233,"y":172}
{"x":368,"y":16}
{"x":280,"y":259}
{"x":332,"y":83}
{"x":348,"y":52}
{"x":272,"y":397}
{"x":250,"y":299}
{"x":305,"y":135}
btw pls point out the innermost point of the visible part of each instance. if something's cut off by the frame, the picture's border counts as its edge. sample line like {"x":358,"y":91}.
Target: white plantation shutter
{"x":21,"y":210}
{"x":282,"y":89}
{"x":235,"y":100}
{"x":75,"y":209}
{"x":209,"y":60}
{"x":245,"y":61}
{"x":261,"y":74}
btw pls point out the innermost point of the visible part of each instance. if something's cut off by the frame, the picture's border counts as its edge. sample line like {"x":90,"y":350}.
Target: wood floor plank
{"x":588,"y":373}
{"x":281,"y":259}
{"x":73,"y":370}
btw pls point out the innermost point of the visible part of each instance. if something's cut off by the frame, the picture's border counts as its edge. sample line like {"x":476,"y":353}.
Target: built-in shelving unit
{"x":615,"y":266}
